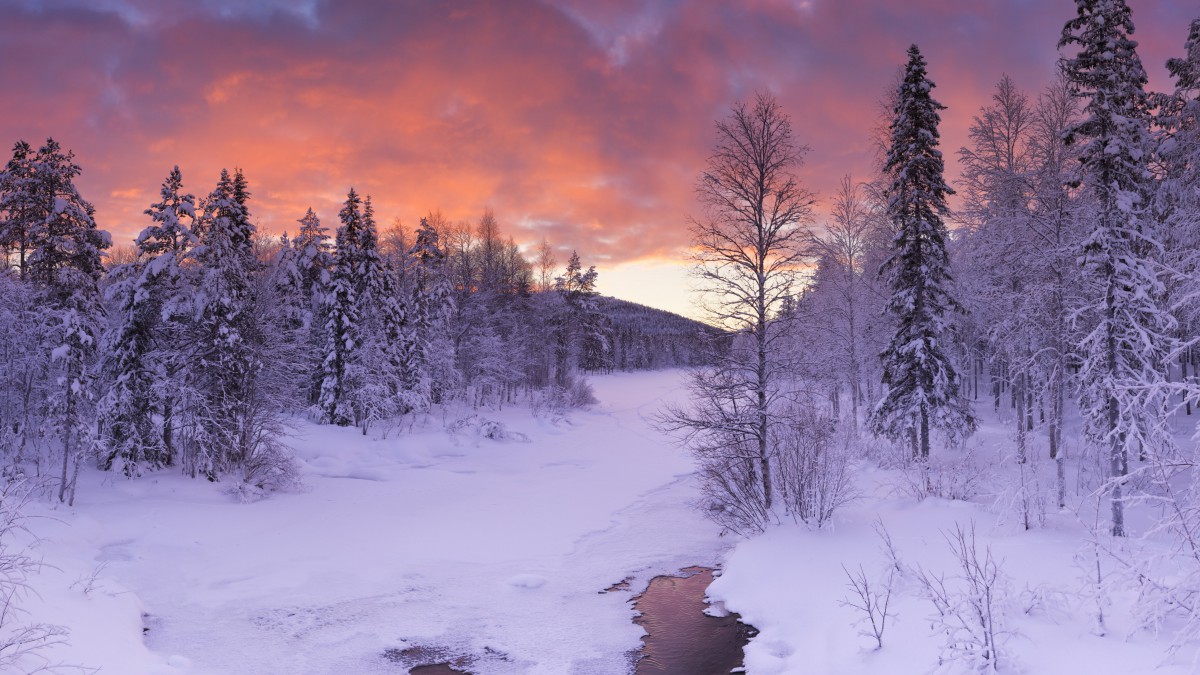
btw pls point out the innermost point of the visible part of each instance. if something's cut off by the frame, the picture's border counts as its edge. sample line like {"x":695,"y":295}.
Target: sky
{"x":582,"y":121}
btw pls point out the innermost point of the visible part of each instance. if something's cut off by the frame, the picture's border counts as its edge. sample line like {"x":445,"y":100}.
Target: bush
{"x":22,"y":645}
{"x":271,"y":468}
{"x":971,"y":606}
{"x":958,"y":476}
{"x":556,"y":401}
{"x":813,"y":457}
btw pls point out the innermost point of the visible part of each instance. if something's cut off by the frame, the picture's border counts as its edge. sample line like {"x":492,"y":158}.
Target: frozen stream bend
{"x":493,"y":550}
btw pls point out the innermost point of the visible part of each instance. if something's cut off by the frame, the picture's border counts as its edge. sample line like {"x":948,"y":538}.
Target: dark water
{"x":681,"y":639}
{"x":435,"y":669}
{"x":424,"y":660}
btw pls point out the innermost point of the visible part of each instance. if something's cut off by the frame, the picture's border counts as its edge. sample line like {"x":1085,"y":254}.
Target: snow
{"x":501,"y":550}
{"x":400,"y":539}
{"x":791,"y":584}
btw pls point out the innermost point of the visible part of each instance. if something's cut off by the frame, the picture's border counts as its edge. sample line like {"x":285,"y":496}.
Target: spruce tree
{"x":142,"y":346}
{"x":18,"y":205}
{"x":577,"y":327}
{"x":314,"y":260}
{"x":921,"y":384}
{"x":368,"y":367}
{"x":1128,"y":334}
{"x":65,"y":266}
{"x":342,"y":317}
{"x":226,"y":334}
{"x":430,"y":372}
{"x":1177,"y":203}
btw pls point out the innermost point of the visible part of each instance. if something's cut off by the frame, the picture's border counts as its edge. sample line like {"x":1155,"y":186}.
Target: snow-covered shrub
{"x":813,"y":456}
{"x":1026,"y":498}
{"x":556,"y":400}
{"x":970,"y":606}
{"x":732,"y":494}
{"x":23,"y":645}
{"x":271,"y":468}
{"x":484,"y":428}
{"x":959,"y":476}
{"x":871,"y":597}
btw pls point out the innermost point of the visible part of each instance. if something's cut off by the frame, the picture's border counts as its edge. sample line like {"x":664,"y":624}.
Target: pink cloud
{"x":585,"y":121}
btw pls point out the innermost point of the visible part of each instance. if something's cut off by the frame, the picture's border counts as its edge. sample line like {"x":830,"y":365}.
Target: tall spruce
{"x":1177,"y":204}
{"x":18,"y":206}
{"x":143,"y":345}
{"x":314,"y":260}
{"x":1128,"y":335}
{"x":921,"y":383}
{"x":342,"y":317}
{"x":64,"y":264}
{"x":227,"y":338}
{"x":429,"y":352}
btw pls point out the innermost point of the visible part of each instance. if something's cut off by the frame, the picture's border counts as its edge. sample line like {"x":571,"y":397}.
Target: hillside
{"x":645,"y":338}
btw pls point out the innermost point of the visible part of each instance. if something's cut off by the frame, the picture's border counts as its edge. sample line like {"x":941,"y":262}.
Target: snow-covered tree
{"x":314,"y":260}
{"x":18,"y":206}
{"x":1128,"y":333}
{"x":143,"y":345}
{"x":342,"y":322}
{"x":1177,"y":199}
{"x":749,"y":244}
{"x":226,"y":335}
{"x":840,"y":296}
{"x":577,"y":323}
{"x":430,"y":371}
{"x":65,"y":265}
{"x":921,"y":383}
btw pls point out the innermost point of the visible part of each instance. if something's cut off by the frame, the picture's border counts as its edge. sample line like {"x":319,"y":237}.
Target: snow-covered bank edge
{"x":793,"y":584}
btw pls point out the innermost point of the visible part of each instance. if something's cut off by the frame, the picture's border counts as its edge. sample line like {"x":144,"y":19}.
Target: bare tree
{"x":844,"y":244}
{"x":749,"y":246}
{"x":546,"y":265}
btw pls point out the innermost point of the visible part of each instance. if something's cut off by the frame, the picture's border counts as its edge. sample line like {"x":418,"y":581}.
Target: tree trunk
{"x":924,"y":433}
{"x":1022,"y":455}
{"x":1118,"y":462}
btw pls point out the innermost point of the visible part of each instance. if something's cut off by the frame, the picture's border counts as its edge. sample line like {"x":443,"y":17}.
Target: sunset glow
{"x":584,"y":121}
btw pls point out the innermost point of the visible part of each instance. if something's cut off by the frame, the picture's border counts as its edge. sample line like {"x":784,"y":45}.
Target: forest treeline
{"x":1065,"y":280}
{"x":191,"y":346}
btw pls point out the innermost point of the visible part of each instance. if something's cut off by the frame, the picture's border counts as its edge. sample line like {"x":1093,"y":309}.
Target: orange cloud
{"x":585,"y":121}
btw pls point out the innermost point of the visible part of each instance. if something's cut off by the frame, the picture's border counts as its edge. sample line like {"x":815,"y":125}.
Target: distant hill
{"x":645,"y":338}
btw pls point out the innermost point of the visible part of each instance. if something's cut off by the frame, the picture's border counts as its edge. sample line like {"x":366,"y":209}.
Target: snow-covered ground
{"x":790,"y":582}
{"x":497,"y":549}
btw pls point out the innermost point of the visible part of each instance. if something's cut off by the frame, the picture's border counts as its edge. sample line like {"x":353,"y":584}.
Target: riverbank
{"x":492,"y":551}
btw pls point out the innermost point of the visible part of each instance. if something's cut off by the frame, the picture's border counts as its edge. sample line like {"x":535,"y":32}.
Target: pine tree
{"x":342,"y":322}
{"x":1177,"y":199}
{"x":289,"y":314}
{"x":920,"y":380}
{"x":142,"y":346}
{"x":18,"y":206}
{"x":368,"y":367}
{"x":430,"y":372}
{"x":314,"y":260}
{"x":1129,"y":336}
{"x":64,"y":264}
{"x":226,"y":333}
{"x":578,"y":336}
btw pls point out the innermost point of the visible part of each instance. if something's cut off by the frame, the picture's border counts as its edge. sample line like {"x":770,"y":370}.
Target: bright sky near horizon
{"x":584,"y":121}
